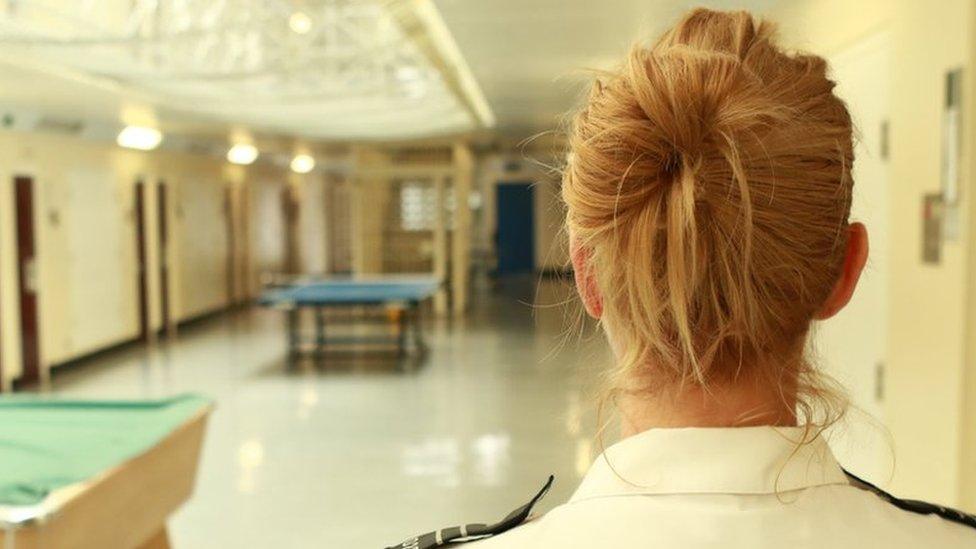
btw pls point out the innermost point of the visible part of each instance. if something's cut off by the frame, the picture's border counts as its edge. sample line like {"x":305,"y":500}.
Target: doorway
{"x":163,"y":240}
{"x":27,"y":279}
{"x":231,"y":262}
{"x":852,"y":345}
{"x":338,"y":209}
{"x":142,"y":283}
{"x":290,"y":216}
{"x":515,"y":228}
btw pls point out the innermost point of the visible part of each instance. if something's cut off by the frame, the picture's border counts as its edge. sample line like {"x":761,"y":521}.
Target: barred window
{"x":418,"y":206}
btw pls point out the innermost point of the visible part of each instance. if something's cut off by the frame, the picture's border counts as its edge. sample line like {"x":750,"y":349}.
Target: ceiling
{"x":325,"y":69}
{"x":530,"y":56}
{"x":358,"y":70}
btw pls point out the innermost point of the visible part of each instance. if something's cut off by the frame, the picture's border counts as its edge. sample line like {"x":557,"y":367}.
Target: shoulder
{"x":467,"y":533}
{"x":914,"y":518}
{"x":523,"y":536}
{"x":831,"y":516}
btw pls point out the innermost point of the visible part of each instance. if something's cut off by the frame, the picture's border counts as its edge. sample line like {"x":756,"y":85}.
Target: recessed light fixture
{"x":139,"y":137}
{"x":408,"y":73}
{"x":300,"y":22}
{"x":415,"y":90}
{"x":302,"y":163}
{"x":242,"y":153}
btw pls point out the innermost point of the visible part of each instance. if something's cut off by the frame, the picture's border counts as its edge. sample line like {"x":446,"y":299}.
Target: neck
{"x":728,"y":405}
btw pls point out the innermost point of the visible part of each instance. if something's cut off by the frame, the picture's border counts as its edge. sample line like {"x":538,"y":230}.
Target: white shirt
{"x":728,"y":488}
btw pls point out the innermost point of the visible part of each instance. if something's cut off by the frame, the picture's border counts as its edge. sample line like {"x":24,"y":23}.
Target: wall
{"x":10,"y":359}
{"x":227,"y":226}
{"x":200,"y":231}
{"x":928,"y":319}
{"x":85,"y":243}
{"x":967,"y":427}
{"x":370,"y":203}
{"x":86,"y":239}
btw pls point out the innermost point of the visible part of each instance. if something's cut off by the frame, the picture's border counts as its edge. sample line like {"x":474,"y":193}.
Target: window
{"x":418,"y":206}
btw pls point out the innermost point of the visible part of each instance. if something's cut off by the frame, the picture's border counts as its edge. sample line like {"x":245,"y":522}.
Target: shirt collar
{"x":740,"y":460}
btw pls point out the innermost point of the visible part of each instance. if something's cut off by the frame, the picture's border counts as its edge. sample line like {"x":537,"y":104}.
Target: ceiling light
{"x":408,"y":73}
{"x":138,"y":137}
{"x":300,"y":22}
{"x":415,"y":91}
{"x":302,"y":163}
{"x":242,"y":153}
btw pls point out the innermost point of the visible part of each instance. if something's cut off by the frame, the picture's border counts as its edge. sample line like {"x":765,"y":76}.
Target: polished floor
{"x":354,"y":454}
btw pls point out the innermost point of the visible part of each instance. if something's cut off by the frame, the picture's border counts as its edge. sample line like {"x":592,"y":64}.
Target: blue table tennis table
{"x":363,"y":300}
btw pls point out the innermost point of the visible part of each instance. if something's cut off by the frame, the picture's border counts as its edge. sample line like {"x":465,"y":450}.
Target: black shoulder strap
{"x":915,"y":506}
{"x":471,"y":532}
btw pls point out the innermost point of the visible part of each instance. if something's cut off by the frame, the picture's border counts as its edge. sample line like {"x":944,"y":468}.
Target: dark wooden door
{"x":339,"y":217}
{"x":289,"y":205}
{"x":142,"y":271}
{"x":163,"y":240}
{"x":27,"y":278}
{"x":231,"y":244}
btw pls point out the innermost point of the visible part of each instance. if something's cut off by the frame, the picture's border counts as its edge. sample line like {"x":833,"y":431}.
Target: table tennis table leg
{"x":419,"y":345}
{"x":293,"y":335}
{"x":402,"y":326}
{"x":320,"y":331}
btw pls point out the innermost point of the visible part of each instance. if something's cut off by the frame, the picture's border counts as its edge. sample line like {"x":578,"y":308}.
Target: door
{"x":231,"y":244}
{"x":27,"y":279}
{"x":338,"y":207}
{"x":142,"y":283}
{"x":163,"y":240}
{"x":852,"y":345}
{"x":515,"y":228}
{"x":289,"y":206}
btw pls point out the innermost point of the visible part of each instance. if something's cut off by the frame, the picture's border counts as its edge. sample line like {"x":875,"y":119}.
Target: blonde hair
{"x":710,"y":185}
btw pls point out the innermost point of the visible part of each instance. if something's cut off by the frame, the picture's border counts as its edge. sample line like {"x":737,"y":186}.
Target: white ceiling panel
{"x":322,"y":69}
{"x":531,"y":56}
{"x":330,"y":69}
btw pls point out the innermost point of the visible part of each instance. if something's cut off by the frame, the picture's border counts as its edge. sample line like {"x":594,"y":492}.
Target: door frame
{"x":142,"y":270}
{"x":291,"y":213}
{"x":231,"y":262}
{"x":166,"y":321}
{"x":27,"y":279}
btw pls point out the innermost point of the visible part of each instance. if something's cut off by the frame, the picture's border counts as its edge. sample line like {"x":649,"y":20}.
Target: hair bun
{"x":710,"y":179}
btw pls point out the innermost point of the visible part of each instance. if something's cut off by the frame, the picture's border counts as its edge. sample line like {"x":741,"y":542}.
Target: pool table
{"x":96,"y":474}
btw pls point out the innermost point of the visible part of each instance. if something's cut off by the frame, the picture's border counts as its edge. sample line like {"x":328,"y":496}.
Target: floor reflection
{"x":358,"y":454}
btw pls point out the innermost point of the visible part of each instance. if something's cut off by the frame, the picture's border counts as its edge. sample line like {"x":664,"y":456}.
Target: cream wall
{"x":200,"y":231}
{"x":929,"y":319}
{"x":370,"y":203}
{"x":10,"y":359}
{"x":86,"y":240}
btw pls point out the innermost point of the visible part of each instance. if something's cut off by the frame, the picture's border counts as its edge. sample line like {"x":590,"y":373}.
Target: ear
{"x":586,"y":284}
{"x":854,"y":259}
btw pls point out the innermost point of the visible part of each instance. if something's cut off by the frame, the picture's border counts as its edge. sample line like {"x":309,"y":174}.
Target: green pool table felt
{"x":46,"y":443}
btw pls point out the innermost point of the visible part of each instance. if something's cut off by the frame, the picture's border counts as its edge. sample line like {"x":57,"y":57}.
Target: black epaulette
{"x":472,"y":532}
{"x":915,"y":506}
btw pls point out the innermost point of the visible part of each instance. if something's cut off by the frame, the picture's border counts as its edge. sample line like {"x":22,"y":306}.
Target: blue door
{"x":515,"y":228}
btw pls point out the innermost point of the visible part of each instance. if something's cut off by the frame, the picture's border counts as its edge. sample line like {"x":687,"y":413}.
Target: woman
{"x":708,"y":195}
